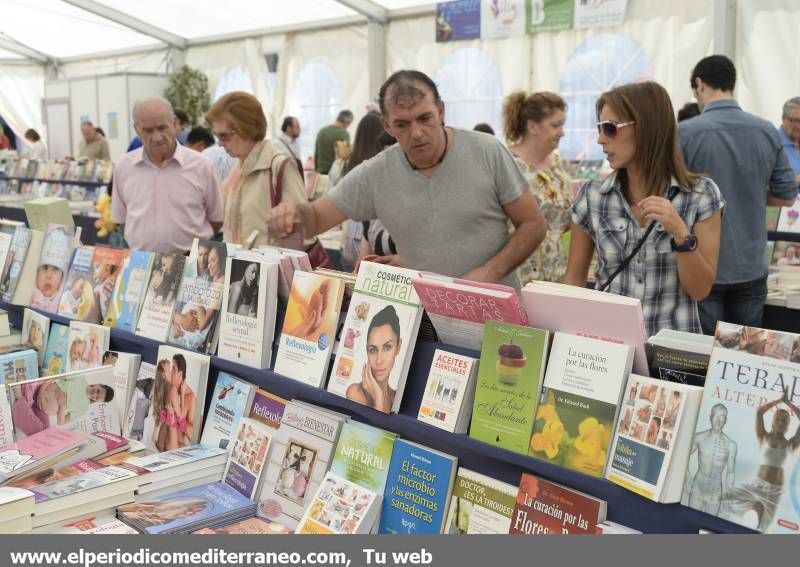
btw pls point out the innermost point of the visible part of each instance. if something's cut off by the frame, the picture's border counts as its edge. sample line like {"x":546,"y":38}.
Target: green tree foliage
{"x":188,"y":90}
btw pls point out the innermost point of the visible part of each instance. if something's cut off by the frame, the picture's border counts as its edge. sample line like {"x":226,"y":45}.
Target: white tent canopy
{"x":332,"y":54}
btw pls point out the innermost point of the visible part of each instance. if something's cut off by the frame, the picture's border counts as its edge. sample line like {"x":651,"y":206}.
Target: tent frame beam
{"x":130,"y":22}
{"x":33,"y":56}
{"x":372,"y":11}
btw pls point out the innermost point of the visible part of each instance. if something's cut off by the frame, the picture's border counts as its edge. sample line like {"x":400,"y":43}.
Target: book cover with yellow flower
{"x":509,"y":379}
{"x":575,"y":418}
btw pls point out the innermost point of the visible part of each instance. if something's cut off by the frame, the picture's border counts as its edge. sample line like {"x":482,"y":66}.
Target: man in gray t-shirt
{"x":444,"y":194}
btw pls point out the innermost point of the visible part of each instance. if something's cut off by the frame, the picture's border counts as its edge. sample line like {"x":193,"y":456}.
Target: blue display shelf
{"x":624,"y":506}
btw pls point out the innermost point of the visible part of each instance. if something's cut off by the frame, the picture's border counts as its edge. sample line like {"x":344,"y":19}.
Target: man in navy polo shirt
{"x":744,"y":155}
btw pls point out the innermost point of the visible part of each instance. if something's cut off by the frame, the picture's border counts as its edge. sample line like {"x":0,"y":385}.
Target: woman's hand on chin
{"x":374,"y":390}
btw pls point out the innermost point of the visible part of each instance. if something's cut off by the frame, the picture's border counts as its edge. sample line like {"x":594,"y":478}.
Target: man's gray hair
{"x":149,"y":100}
{"x":345,"y":116}
{"x":789,"y":104}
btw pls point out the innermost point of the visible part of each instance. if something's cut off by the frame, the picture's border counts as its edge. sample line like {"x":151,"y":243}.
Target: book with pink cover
{"x":37,"y":451}
{"x":588,"y":313}
{"x":459,"y":308}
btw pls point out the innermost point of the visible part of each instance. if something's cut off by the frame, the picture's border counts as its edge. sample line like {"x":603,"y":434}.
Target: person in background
{"x":199,"y":139}
{"x":38,"y":149}
{"x":652,"y":199}
{"x":484,"y":127}
{"x":5,"y":143}
{"x":288,"y":141}
{"x":534,"y":125}
{"x":93,"y":145}
{"x":743,"y":154}
{"x":444,"y":194}
{"x":688,"y":110}
{"x":325,"y":145}
{"x":165,"y":195}
{"x":184,"y":125}
{"x":239,"y":123}
{"x":790,"y":134}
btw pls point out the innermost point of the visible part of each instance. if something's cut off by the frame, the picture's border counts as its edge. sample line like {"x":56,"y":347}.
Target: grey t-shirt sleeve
{"x":509,"y":181}
{"x":354,"y":196}
{"x":782,"y":181}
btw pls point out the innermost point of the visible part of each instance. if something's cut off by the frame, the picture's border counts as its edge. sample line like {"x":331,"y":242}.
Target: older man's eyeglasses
{"x":610,"y":129}
{"x":225,"y":136}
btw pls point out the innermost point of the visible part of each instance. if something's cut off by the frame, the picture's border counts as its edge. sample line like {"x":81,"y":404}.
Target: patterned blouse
{"x":652,"y":276}
{"x":552,"y":188}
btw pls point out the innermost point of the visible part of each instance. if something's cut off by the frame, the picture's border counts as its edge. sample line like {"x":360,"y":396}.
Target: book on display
{"x":449,"y":392}
{"x":53,"y":264}
{"x":129,"y":291}
{"x":35,"y":332}
{"x":231,"y":400}
{"x":78,"y":300}
{"x":163,"y":285}
{"x":480,"y":504}
{"x":340,"y":507}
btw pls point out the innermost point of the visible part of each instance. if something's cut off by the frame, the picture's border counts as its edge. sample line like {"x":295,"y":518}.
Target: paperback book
{"x":363,"y":454}
{"x":194,"y":320}
{"x":19,"y":280}
{"x":544,"y":507}
{"x":19,"y":366}
{"x":578,"y":409}
{"x":449,"y":392}
{"x":340,"y":507}
{"x":509,"y":381}
{"x":37,"y":451}
{"x":162,"y":291}
{"x":14,"y":262}
{"x":267,"y":408}
{"x":78,"y":299}
{"x":52,"y":267}
{"x":378,"y":339}
{"x":309,"y":328}
{"x":139,"y":403}
{"x":247,"y":325}
{"x":250,"y":526}
{"x":653,"y":437}
{"x":418,"y":489}
{"x":57,"y":351}
{"x":126,"y":369}
{"x":35,"y":332}
{"x":176,"y":416}
{"x":245,"y":468}
{"x":480,"y":504}
{"x":129,"y":291}
{"x":459,"y":308}
{"x":231,"y":400}
{"x":743,"y":465}
{"x":301,"y":455}
{"x":87,"y":343}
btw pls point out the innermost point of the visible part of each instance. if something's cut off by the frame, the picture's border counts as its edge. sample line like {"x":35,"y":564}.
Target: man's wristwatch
{"x":689,"y":244}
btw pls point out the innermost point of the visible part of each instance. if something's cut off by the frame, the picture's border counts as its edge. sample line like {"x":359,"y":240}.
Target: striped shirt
{"x":652,"y":275}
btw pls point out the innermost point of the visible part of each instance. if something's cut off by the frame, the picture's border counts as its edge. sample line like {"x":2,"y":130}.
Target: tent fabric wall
{"x":21,"y":93}
{"x":768,"y":56}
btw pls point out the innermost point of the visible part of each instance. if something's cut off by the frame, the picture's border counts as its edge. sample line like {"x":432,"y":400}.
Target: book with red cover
{"x":544,"y":507}
{"x":588,"y":313}
{"x":459,"y":308}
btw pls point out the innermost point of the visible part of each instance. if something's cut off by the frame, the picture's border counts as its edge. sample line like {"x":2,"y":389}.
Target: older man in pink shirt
{"x":164,"y":194}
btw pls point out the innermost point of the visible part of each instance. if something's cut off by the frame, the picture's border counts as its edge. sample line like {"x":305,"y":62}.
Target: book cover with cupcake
{"x":509,"y":379}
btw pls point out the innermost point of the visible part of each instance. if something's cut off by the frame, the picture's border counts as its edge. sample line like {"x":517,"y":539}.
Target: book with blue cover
{"x":130,"y":291}
{"x":55,"y":355}
{"x":418,"y":490}
{"x":19,"y":366}
{"x":206,"y":506}
{"x":231,"y":401}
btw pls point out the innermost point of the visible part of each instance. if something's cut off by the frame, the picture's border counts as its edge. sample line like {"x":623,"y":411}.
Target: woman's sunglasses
{"x":610,"y":129}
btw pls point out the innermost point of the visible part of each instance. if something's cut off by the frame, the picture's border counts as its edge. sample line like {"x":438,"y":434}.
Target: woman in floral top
{"x":534,"y":124}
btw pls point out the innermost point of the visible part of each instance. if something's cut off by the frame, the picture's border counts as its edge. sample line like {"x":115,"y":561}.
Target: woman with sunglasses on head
{"x":238,"y":122}
{"x":534,"y":125}
{"x":654,"y":225}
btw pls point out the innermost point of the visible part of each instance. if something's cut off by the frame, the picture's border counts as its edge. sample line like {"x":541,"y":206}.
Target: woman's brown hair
{"x":655,"y":131}
{"x":244,"y":113}
{"x":520,"y":107}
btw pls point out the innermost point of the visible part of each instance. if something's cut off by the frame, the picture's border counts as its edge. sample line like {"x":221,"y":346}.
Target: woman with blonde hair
{"x":262,"y":176}
{"x":534,"y":125}
{"x":654,"y":225}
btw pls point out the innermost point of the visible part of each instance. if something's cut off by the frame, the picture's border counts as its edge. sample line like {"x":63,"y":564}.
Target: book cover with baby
{"x":129,"y":292}
{"x":82,"y":400}
{"x":77,"y":301}
{"x":52,"y":269}
{"x":194,"y":320}
{"x":307,"y":337}
{"x":744,"y":464}
{"x":107,"y":265}
{"x":163,"y":283}
{"x":378,"y":338}
{"x":87,"y":343}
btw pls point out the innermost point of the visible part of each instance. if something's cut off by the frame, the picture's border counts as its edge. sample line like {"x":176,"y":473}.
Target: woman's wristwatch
{"x":688,"y":245}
